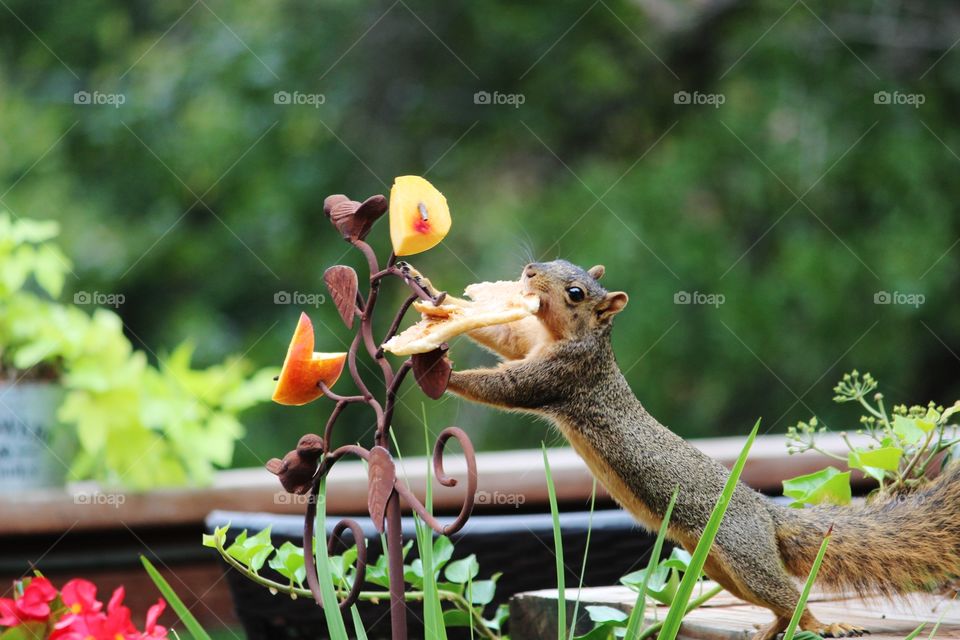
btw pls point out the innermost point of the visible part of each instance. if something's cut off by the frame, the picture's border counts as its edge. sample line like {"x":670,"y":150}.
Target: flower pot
{"x":35,"y":451}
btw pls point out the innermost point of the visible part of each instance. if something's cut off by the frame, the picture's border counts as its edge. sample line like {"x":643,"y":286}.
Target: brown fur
{"x":564,"y":369}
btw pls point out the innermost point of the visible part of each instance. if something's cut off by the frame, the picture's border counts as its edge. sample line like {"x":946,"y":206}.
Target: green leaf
{"x":461,"y":571}
{"x":288,"y":562}
{"x":910,"y":430}
{"x":176,"y":603}
{"x":482,"y":592}
{"x":671,"y":624}
{"x":336,"y":628}
{"x":639,"y":607}
{"x":456,"y":618}
{"x":557,"y":548}
{"x":828,"y":485}
{"x":359,"y":631}
{"x":875,"y":462}
{"x":805,"y":594}
{"x":217,"y":538}
{"x":30,"y":630}
{"x":252,"y":551}
{"x":603,"y":614}
{"x":499,"y":618}
{"x":442,"y":552}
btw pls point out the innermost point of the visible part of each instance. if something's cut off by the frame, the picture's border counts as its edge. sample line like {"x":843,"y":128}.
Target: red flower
{"x":83,"y":616}
{"x":33,"y":604}
{"x":152,"y":629}
{"x":80,"y":596}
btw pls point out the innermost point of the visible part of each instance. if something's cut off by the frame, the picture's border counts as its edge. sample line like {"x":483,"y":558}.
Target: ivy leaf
{"x":462,"y":571}
{"x":910,"y":430}
{"x":500,"y":617}
{"x":442,"y":552}
{"x":827,"y":485}
{"x":602,"y":614}
{"x":218,"y":537}
{"x":252,"y":551}
{"x":679,"y":559}
{"x":288,"y":562}
{"x":482,"y":592}
{"x":456,"y":618}
{"x":875,"y":462}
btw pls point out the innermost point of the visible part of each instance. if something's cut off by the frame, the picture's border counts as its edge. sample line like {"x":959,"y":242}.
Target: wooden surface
{"x":510,"y":473}
{"x":533,"y":614}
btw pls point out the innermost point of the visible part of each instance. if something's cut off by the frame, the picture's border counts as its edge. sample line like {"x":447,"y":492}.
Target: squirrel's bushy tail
{"x":905,"y":544}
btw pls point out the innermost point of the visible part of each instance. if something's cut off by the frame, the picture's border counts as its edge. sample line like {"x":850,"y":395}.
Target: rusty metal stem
{"x":392,"y":381}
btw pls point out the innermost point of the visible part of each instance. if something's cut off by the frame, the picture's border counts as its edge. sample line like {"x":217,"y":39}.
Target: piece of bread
{"x":490,"y":303}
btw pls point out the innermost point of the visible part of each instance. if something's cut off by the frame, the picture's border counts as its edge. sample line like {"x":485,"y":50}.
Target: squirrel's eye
{"x":576,"y":294}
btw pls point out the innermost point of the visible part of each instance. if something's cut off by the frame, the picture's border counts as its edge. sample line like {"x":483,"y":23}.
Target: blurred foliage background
{"x":797,"y":199}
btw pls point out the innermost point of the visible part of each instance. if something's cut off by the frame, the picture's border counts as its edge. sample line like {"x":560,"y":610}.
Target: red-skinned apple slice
{"x":304,"y":369}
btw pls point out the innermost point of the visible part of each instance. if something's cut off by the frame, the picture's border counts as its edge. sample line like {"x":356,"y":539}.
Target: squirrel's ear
{"x":612,"y":304}
{"x":596,"y":271}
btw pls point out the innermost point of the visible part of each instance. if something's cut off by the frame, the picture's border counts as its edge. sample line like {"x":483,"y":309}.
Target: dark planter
{"x":521,"y":546}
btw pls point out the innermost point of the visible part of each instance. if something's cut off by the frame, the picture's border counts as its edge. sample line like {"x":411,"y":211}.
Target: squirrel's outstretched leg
{"x":518,"y":384}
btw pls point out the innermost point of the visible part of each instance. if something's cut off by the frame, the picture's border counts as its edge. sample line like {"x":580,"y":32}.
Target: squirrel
{"x":560,"y":365}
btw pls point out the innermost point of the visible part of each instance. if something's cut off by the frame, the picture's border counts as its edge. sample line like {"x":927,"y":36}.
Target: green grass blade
{"x":331,"y":606}
{"x":358,"y":630}
{"x":558,"y":549}
{"x":583,"y":565}
{"x":808,"y":585}
{"x":671,"y":624}
{"x":639,"y":609}
{"x":432,"y":615}
{"x":175,"y":602}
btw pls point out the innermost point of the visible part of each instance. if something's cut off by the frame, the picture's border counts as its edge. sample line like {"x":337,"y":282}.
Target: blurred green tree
{"x":793,"y":192}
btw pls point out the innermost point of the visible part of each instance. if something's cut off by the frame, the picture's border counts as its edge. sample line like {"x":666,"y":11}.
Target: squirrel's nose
{"x":529,"y":271}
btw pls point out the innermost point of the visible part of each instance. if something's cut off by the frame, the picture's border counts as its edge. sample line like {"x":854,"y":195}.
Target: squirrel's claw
{"x":839,"y":630}
{"x":410,"y":272}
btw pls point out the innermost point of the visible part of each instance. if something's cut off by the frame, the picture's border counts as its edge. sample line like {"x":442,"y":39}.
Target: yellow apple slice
{"x":492,"y":303}
{"x":304,"y":369}
{"x":419,"y":215}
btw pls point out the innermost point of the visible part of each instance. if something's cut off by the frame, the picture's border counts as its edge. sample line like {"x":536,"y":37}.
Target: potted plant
{"x":77,"y":400}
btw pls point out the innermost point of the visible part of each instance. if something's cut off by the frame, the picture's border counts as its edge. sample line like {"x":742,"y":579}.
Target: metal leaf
{"x":343,"y":285}
{"x":432,"y":371}
{"x":382,"y":474}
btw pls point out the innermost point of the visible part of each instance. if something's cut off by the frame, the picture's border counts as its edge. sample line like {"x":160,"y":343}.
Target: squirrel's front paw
{"x":410,"y":272}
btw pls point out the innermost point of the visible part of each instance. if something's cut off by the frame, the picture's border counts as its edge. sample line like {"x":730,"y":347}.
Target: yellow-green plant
{"x":138,"y":425}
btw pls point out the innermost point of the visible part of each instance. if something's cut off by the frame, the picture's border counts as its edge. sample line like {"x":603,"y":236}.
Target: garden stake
{"x":302,"y":470}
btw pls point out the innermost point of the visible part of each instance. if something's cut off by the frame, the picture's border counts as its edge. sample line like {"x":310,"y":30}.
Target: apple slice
{"x":491,"y":303}
{"x":303,"y":368}
{"x":419,"y":215}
